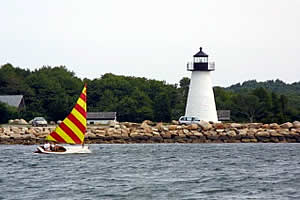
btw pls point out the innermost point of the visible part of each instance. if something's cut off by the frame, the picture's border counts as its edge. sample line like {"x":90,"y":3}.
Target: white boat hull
{"x":69,"y":150}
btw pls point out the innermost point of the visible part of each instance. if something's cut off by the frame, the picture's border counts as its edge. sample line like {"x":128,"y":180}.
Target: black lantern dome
{"x":200,"y":62}
{"x":200,"y":53}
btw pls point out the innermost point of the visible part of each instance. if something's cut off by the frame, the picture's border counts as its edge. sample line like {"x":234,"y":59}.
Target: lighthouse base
{"x":201,"y":100}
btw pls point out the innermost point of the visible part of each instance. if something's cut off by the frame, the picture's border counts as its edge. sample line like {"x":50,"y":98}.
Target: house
{"x":101,"y":117}
{"x":13,"y":100}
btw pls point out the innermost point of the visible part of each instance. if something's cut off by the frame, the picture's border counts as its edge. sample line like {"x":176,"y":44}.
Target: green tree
{"x":266,"y":104}
{"x":12,"y":80}
{"x":277,"y":115}
{"x":284,"y":106}
{"x":7,"y":113}
{"x":247,"y":107}
{"x":162,"y":109}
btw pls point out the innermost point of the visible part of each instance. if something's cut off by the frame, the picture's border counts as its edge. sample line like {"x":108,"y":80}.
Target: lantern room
{"x":200,"y":62}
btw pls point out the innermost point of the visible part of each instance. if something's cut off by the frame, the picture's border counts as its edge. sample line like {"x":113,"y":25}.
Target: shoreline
{"x":150,"y":132}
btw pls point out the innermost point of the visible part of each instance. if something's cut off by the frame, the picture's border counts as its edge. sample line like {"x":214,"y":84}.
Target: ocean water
{"x":153,"y":171}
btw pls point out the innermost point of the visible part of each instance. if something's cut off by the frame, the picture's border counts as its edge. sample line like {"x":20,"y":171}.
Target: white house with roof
{"x":13,"y":100}
{"x":101,"y":117}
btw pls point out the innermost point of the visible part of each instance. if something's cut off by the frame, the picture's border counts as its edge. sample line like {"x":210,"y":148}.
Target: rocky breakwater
{"x":150,"y":132}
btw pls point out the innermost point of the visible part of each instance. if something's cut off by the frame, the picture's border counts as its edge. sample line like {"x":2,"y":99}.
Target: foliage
{"x":52,"y":92}
{"x":7,"y":113}
{"x":276,"y":101}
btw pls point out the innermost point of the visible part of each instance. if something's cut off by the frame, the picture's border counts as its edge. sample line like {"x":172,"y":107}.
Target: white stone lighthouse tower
{"x":201,"y":100}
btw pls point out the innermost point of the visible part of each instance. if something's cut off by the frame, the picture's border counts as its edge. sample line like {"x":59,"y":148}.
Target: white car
{"x":39,"y":121}
{"x":188,"y":120}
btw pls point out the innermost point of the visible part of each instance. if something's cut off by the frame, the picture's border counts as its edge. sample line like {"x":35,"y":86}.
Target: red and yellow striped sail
{"x":72,"y":129}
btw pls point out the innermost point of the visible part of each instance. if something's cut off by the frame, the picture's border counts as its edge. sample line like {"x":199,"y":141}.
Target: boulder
{"x":274,"y":126}
{"x":274,"y":139}
{"x":155,"y":129}
{"x":134,"y":134}
{"x":172,"y":127}
{"x":173,"y":133}
{"x":90,"y":135}
{"x":16,"y":130}
{"x":274,"y":133}
{"x":23,"y":122}
{"x":117,"y":135}
{"x":218,"y":126}
{"x":251,"y":133}
{"x":109,"y":131}
{"x":212,"y":135}
{"x":205,"y":125}
{"x":125,"y":131}
{"x":231,"y":133}
{"x":249,"y":140}
{"x":175,"y":122}
{"x":297,"y":130}
{"x":117,"y":131}
{"x":286,"y":125}
{"x":157,"y":138}
{"x":185,"y":131}
{"x":198,"y":134}
{"x":262,"y":134}
{"x":145,"y":124}
{"x":181,"y":135}
{"x":166,"y":135}
{"x":296,"y":124}
{"x":193,"y":127}
{"x":235,"y":125}
{"x":265,"y":126}
{"x":117,"y":126}
{"x":186,"y":134}
{"x":255,"y":125}
{"x":99,"y":132}
{"x":253,"y":140}
{"x":16,"y":121}
{"x":148,"y":130}
{"x":155,"y":133}
{"x":160,"y":126}
{"x":122,"y":126}
{"x":125,"y":135}
{"x":243,"y":132}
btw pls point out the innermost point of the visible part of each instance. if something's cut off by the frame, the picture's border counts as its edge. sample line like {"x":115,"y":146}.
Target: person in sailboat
{"x":53,"y":146}
{"x":47,"y":146}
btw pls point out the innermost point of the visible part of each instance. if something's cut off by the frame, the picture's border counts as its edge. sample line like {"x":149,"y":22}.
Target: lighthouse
{"x":201,"y":100}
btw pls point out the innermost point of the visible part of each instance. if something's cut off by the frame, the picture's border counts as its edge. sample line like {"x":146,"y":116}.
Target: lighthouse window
{"x":200,"y":59}
{"x":197,"y":60}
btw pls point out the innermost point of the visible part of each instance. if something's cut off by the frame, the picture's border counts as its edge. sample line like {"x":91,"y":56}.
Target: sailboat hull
{"x":69,"y":150}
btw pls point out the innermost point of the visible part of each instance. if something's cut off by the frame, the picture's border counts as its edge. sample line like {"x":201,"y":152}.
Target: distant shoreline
{"x":150,"y":132}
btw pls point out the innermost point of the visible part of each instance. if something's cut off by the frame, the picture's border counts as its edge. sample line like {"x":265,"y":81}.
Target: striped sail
{"x":72,"y":129}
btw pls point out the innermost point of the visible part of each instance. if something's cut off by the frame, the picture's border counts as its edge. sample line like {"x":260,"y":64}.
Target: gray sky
{"x":248,"y":39}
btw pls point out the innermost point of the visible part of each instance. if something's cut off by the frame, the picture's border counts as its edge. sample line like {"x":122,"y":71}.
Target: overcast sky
{"x":247,"y":39}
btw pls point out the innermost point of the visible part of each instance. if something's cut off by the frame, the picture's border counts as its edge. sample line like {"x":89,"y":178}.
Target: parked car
{"x":39,"y":121}
{"x":188,"y":120}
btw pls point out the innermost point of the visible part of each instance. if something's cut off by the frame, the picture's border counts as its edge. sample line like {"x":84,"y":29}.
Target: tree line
{"x":52,"y":92}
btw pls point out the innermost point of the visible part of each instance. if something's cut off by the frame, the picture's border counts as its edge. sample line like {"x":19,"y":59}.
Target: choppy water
{"x":153,"y":171}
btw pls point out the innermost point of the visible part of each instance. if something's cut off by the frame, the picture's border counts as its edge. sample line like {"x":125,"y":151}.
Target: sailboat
{"x":70,"y":131}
